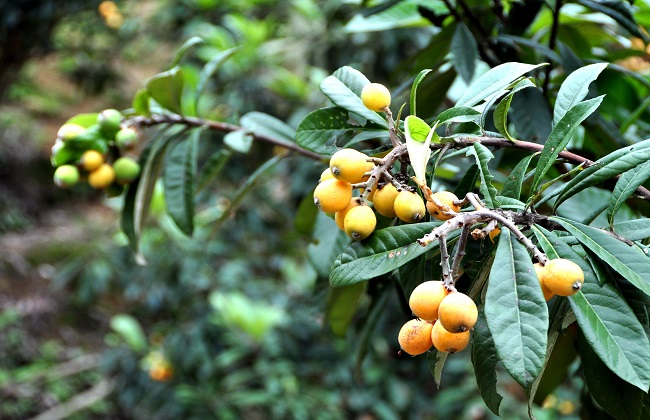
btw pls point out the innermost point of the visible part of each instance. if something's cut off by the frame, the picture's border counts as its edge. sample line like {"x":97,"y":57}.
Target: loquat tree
{"x":506,"y":198}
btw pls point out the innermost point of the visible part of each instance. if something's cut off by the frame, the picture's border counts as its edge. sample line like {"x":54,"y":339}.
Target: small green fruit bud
{"x":109,"y":121}
{"x":126,"y":138}
{"x":126,"y":170}
{"x":69,"y":132}
{"x":66,"y":176}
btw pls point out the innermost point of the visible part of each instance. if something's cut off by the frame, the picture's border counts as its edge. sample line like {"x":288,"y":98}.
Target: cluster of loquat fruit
{"x":95,"y":154}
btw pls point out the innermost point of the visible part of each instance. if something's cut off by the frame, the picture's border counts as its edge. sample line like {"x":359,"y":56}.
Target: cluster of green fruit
{"x":95,"y":153}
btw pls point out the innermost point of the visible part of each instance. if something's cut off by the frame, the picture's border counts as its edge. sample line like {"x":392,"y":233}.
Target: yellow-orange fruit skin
{"x":445,"y":197}
{"x":563,"y":277}
{"x":349,"y":165}
{"x":384,"y":200}
{"x":409,"y":207}
{"x":494,"y":233}
{"x":101,"y":177}
{"x":360,"y":222}
{"x":448,"y":342}
{"x":415,"y":337}
{"x":375,"y":96}
{"x":425,"y":299}
{"x":327,"y":174}
{"x":91,"y":160}
{"x":457,"y":312}
{"x":339,"y":216}
{"x":541,"y":272}
{"x":332,"y":195}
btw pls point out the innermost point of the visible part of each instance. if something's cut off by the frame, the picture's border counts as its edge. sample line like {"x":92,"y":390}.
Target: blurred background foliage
{"x":234,"y":326}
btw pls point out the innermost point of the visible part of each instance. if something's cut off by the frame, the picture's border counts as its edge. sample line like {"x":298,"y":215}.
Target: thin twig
{"x":460,"y":252}
{"x":444,"y":263}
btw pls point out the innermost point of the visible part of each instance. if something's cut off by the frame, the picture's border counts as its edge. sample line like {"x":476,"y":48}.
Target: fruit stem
{"x":444,"y":263}
{"x":460,"y":252}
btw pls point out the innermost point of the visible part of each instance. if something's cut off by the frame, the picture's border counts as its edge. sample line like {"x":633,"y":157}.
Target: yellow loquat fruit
{"x":332,"y":195}
{"x":409,"y":207}
{"x":457,"y":312}
{"x":360,"y":222}
{"x":425,"y":299}
{"x":446,"y":341}
{"x":375,"y":96}
{"x":415,"y":337}
{"x":446,"y":198}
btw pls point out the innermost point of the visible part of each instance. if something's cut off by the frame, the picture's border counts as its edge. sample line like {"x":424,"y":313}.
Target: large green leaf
{"x":403,"y":14}
{"x":320,"y":130}
{"x":634,"y":230}
{"x":531,"y":126}
{"x":262,"y":124}
{"x":621,"y":12}
{"x":560,"y":136}
{"x":485,"y":360}
{"x":178,"y":178}
{"x":212,"y":168}
{"x":500,"y":116}
{"x":191,"y":42}
{"x":574,"y":89}
{"x":494,"y":80}
{"x":411,"y":274}
{"x":384,"y":251}
{"x":512,"y":186}
{"x":436,"y":361}
{"x":459,"y":114}
{"x":617,"y":397}
{"x":629,"y":261}
{"x":483,"y":156}
{"x":607,"y":167}
{"x":329,"y":242}
{"x":344,"y":88}
{"x":465,"y":52}
{"x":516,"y":311}
{"x":626,"y":186}
{"x":414,"y":89}
{"x":342,"y":304}
{"x":208,"y":71}
{"x":167,"y":89}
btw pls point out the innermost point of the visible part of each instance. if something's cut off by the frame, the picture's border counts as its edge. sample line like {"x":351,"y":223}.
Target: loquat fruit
{"x":91,"y":160}
{"x":384,"y":200}
{"x":448,"y":342}
{"x":563,"y":277}
{"x":66,"y":176}
{"x":126,"y":170}
{"x":409,"y":207}
{"x":425,"y":299}
{"x":327,"y":174}
{"x":101,"y":177}
{"x":446,"y":198}
{"x":540,"y":270}
{"x":339,"y":216}
{"x":332,"y":195}
{"x":360,"y":222}
{"x":415,"y":337}
{"x":68,"y":132}
{"x":126,"y":138}
{"x":109,"y":121}
{"x":457,"y":312}
{"x":350,"y":165}
{"x":494,"y":233}
{"x":375,"y":96}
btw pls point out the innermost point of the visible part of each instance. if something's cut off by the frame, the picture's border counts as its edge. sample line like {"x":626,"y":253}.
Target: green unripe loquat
{"x":384,"y":200}
{"x":360,"y":222}
{"x":349,"y":165}
{"x":126,"y":170}
{"x":332,"y":195}
{"x":375,"y":96}
{"x":66,"y":176}
{"x":101,"y":177}
{"x":69,"y":132}
{"x":91,"y":160}
{"x":109,"y":121}
{"x":409,"y":207}
{"x":126,"y":138}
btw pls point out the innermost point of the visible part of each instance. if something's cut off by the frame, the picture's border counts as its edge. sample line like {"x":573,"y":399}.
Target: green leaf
{"x":418,"y":138}
{"x":306,"y":214}
{"x":411,"y":275}
{"x":414,"y":88}
{"x":467,"y":182}
{"x":141,"y":103}
{"x":130,"y":330}
{"x":384,"y":251}
{"x":212,"y":168}
{"x":494,"y":80}
{"x":85,"y":120}
{"x":634,"y":230}
{"x":512,"y":186}
{"x":239,"y":141}
{"x":626,"y":186}
{"x":560,"y":136}
{"x":500,"y":116}
{"x":195,"y":40}
{"x":628,"y":261}
{"x":516,"y":311}
{"x":403,"y":14}
{"x":208,"y":71}
{"x":265,"y":125}
{"x":167,"y":89}
{"x":546,"y":240}
{"x":531,"y":126}
{"x":329,"y":242}
{"x":574,"y":89}
{"x":617,"y":397}
{"x":485,"y":360}
{"x":178,"y":178}
{"x":436,"y":361}
{"x":320,"y":130}
{"x":483,"y":157}
{"x":342,"y":304}
{"x":344,"y":88}
{"x":465,"y":52}
{"x":416,"y":128}
{"x":621,"y":12}
{"x":607,"y":167}
{"x":459,"y":114}
{"x":562,"y":353}
{"x":613,"y":332}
